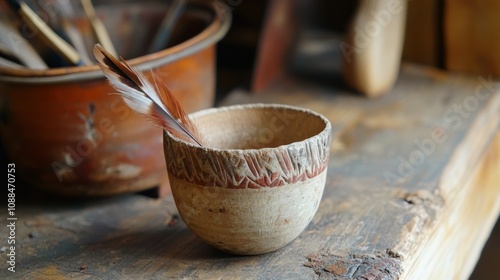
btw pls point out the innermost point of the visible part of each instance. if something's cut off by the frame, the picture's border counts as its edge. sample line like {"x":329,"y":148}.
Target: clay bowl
{"x":258,"y":181}
{"x":68,"y":135}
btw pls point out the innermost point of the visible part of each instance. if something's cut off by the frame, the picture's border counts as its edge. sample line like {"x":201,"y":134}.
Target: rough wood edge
{"x":383,"y":266}
{"x":453,"y":249}
{"x":484,"y":127}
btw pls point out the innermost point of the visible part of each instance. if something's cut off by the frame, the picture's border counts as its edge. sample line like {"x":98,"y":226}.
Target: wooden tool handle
{"x":16,"y":43}
{"x":48,"y":35}
{"x":99,"y":30}
{"x":373,"y":46}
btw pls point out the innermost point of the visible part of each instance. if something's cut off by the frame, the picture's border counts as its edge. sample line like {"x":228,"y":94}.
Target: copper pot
{"x":67,"y":134}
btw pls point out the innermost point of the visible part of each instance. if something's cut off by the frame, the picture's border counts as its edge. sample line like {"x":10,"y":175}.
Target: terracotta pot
{"x":68,"y":135}
{"x":258,"y":182}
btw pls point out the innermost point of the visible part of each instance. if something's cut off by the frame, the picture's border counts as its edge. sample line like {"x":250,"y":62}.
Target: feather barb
{"x":154,"y":101}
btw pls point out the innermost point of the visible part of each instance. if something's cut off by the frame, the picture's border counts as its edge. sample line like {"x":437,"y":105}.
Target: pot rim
{"x":326,"y":130}
{"x":209,"y":36}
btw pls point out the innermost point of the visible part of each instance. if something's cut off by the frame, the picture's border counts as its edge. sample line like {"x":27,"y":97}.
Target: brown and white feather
{"x":154,"y":101}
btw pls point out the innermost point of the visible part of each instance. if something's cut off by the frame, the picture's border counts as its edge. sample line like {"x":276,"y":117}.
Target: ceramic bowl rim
{"x":326,"y":130}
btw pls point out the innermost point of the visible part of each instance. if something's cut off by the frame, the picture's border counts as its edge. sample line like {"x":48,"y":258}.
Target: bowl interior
{"x":257,"y":127}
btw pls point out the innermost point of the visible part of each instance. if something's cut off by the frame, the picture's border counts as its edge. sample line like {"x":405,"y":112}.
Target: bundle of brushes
{"x":153,"y":100}
{"x":55,"y":40}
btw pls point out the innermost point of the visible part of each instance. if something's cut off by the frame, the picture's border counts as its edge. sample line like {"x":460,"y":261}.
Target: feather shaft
{"x":154,"y":101}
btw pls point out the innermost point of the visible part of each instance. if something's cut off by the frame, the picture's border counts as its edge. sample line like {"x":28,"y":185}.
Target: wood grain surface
{"x":412,"y":188}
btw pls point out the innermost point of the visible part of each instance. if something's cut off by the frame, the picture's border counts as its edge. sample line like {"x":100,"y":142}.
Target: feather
{"x":154,"y":101}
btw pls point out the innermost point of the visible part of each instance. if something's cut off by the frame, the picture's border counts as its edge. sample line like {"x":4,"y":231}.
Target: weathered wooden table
{"x":412,"y":193}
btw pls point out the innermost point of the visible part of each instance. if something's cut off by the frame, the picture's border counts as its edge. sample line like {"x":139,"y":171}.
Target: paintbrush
{"x":52,"y":16}
{"x":46,"y":33}
{"x":76,"y":40}
{"x":8,"y":54}
{"x":163,"y":34}
{"x":156,"y":102}
{"x":10,"y":64}
{"x":98,"y":27}
{"x":75,"y":37}
{"x":17,"y":45}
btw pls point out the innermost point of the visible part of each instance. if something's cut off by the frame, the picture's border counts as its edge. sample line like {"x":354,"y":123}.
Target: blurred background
{"x":453,"y":35}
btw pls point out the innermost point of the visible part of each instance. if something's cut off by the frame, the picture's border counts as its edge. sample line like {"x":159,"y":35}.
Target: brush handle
{"x":66,"y":12}
{"x":7,"y":53}
{"x":48,"y":35}
{"x":99,"y":30}
{"x":162,"y":36}
{"x":76,"y":40}
{"x":24,"y":52}
{"x":9,"y":64}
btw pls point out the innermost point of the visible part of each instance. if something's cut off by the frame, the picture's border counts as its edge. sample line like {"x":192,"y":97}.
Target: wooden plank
{"x":471,"y":207}
{"x":471,"y":36}
{"x":388,"y":200}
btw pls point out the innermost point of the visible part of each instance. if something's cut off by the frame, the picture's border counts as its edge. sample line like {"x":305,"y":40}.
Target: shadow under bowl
{"x":257,"y":182}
